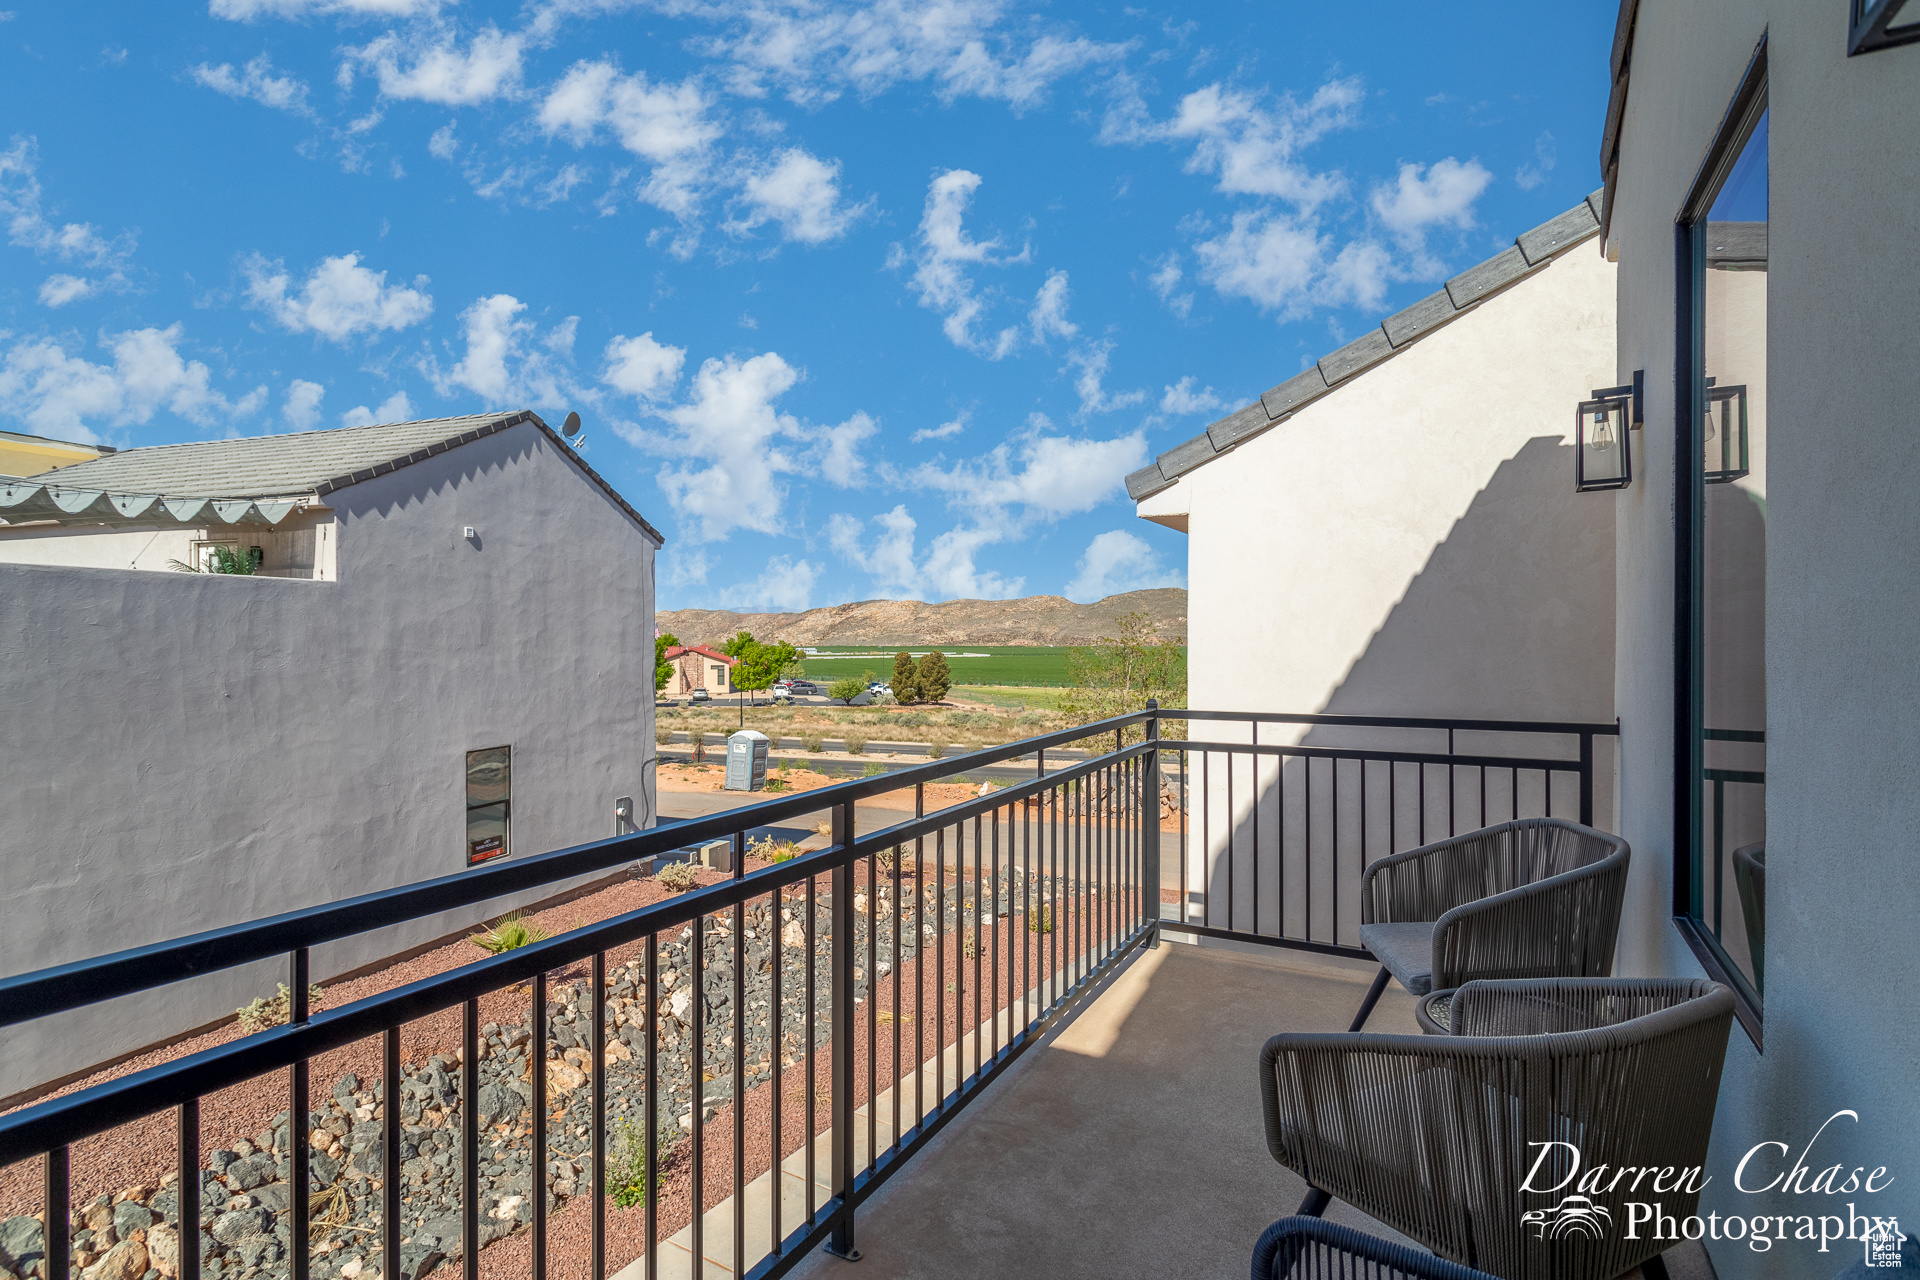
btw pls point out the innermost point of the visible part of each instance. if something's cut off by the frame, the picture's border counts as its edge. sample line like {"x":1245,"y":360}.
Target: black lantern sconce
{"x":1725,"y":433}
{"x":1602,"y":445}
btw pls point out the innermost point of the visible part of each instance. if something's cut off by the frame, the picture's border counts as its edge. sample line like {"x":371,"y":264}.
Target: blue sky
{"x":855,"y":300}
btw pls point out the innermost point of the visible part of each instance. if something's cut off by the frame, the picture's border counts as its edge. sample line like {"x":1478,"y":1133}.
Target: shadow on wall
{"x":1511,"y":618}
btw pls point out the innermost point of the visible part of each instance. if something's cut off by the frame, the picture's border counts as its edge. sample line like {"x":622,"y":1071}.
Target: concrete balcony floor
{"x":1130,"y":1141}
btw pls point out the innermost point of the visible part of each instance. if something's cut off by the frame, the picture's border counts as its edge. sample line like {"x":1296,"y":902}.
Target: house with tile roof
{"x":1394,"y":529}
{"x":696,"y":666}
{"x":443,"y":659}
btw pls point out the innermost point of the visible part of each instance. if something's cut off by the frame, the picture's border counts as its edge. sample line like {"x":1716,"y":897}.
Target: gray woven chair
{"x":1310,"y":1249}
{"x":1432,"y":1134}
{"x":1537,"y":898}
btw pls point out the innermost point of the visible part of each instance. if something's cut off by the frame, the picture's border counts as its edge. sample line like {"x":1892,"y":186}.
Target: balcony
{"x":1016,"y":1035}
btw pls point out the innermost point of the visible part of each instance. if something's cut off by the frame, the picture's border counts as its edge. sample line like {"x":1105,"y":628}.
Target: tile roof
{"x":1531,"y":251}
{"x":308,"y":462}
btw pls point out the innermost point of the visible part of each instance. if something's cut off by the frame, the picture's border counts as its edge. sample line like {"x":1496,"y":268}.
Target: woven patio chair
{"x":1434,"y":1135}
{"x":1537,"y":898}
{"x":1310,"y":1249}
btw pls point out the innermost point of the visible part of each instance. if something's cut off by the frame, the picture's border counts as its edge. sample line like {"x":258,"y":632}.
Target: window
{"x":1723,"y":558}
{"x":1881,"y":24}
{"x":489,"y":803}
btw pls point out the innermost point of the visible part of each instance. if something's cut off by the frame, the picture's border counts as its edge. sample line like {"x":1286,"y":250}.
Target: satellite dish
{"x":572,"y":427}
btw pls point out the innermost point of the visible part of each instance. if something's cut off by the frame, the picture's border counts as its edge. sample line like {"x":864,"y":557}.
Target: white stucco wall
{"x":187,"y":750}
{"x":1409,"y":545}
{"x":1843,"y":695}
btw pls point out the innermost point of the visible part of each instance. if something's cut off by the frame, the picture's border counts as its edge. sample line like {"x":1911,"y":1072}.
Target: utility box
{"x":746,"y":761}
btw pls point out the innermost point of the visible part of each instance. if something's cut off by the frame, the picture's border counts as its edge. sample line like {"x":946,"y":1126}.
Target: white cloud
{"x":1443,"y":197}
{"x":442,"y":145}
{"x":815,"y":53}
{"x":945,"y":249}
{"x":1165,"y":280}
{"x":508,"y":361}
{"x":1181,"y":399}
{"x":1038,"y":475}
{"x":337,"y":300}
{"x":247,"y":10}
{"x":1119,"y":561}
{"x":431,"y":67}
{"x":784,"y":586}
{"x":256,"y":82}
{"x":1091,"y":360}
{"x":801,"y":192}
{"x":643,"y":368}
{"x":732,"y":446}
{"x":302,"y":409}
{"x":665,"y":124}
{"x":841,"y":460}
{"x":395,"y":408}
{"x":1284,"y":264}
{"x":947,"y":570}
{"x":1049,"y":313}
{"x":78,"y":243}
{"x":1529,"y":176}
{"x":1251,"y":147}
{"x":945,"y":431}
{"x":58,"y":393}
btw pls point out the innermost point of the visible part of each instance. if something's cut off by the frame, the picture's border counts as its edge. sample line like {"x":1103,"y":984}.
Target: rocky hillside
{"x":1034,"y":620}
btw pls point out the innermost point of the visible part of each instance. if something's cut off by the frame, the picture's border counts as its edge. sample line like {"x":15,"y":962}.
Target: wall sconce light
{"x":1602,"y":446}
{"x":1725,"y":433}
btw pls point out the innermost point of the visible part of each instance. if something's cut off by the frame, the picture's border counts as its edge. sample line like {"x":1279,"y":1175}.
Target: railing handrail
{"x":71,"y":1117}
{"x":1397,"y":722}
{"x":59,"y":988}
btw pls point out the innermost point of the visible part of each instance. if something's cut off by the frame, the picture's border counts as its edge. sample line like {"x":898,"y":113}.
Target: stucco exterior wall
{"x":193,"y":750}
{"x":1843,"y":686}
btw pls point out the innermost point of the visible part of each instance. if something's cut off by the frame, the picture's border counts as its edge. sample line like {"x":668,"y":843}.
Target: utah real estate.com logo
{"x":1577,"y":1215}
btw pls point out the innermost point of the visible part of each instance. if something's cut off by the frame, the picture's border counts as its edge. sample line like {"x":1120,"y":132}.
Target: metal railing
{"x":1273,"y":837}
{"x":988,"y":919}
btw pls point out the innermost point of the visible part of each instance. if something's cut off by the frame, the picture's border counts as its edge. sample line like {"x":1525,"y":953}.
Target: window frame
{"x":1867,"y":27}
{"x":506,"y":807}
{"x":1749,"y":103}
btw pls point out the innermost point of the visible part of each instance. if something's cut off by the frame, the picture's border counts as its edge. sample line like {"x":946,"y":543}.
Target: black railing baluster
{"x":740,"y":1073}
{"x":979,"y":936}
{"x":392,"y":1228}
{"x":697,"y":1090}
{"x":899,"y":960}
{"x":470,"y":1140}
{"x":1253,"y":787}
{"x":873,"y":1015}
{"x":58,"y":1227}
{"x":187,"y":1170}
{"x":298,"y":1244}
{"x":776,"y":1063}
{"x":939,"y":965}
{"x":813,"y":1113}
{"x":598,"y":1123}
{"x":650,"y":1105}
{"x":1206,"y":836}
{"x":537,"y":1080}
{"x":919,"y":973}
{"x":994,"y":914}
{"x":841,"y":1241}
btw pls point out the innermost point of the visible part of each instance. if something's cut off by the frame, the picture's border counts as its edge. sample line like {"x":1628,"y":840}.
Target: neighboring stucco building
{"x":695,"y":666}
{"x":445,"y":658}
{"x":24,"y":455}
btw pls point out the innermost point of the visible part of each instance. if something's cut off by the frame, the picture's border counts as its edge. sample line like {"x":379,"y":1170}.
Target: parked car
{"x":878,"y":687}
{"x":806,"y":689}
{"x":699,"y":696}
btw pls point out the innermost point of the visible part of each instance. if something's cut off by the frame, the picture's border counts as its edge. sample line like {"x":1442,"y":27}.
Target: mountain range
{"x":1031,"y":620}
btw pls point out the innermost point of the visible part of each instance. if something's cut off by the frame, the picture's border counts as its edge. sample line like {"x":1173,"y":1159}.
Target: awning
{"x":35,"y":500}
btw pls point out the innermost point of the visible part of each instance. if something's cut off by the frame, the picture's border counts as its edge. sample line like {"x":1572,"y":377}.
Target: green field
{"x":1023,"y":665}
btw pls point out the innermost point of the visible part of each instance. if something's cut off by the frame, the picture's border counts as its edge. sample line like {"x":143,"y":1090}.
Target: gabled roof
{"x":1530,"y":252}
{"x":674,"y":651}
{"x":259,"y":479}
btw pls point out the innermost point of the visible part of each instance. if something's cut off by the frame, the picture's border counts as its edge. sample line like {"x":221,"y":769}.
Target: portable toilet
{"x":746,"y":761}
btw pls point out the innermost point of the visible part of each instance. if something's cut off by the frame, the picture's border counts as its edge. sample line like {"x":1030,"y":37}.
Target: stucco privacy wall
{"x":189,"y":750}
{"x":1408,"y":545}
{"x":1843,"y":693}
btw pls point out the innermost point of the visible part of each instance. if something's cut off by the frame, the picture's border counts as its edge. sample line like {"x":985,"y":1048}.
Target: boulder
{"x":22,"y":1245}
{"x":163,"y":1251}
{"x":125,"y":1261}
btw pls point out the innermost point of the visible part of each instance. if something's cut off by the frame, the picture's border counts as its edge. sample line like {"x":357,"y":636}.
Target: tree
{"x":934,"y":677}
{"x":1119,"y":673}
{"x":758,"y":665}
{"x":662,"y":669}
{"x":847,"y":690}
{"x":906,"y":680}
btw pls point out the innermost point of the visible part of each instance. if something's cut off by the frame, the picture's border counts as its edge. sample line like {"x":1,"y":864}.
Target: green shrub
{"x":814,"y":742}
{"x":779,"y":784}
{"x":223,"y":560}
{"x":847,"y":690}
{"x":627,"y":1162}
{"x":873,"y":771}
{"x":273,"y":1012}
{"x":770,"y":850}
{"x":508,"y":933}
{"x":856,"y":743}
{"x":936,"y":749}
{"x":662,"y":734}
{"x":677,"y":877}
{"x":1041,"y":921}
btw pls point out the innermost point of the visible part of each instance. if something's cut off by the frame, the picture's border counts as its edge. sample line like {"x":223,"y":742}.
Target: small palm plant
{"x":508,"y":933}
{"x":222,"y":560}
